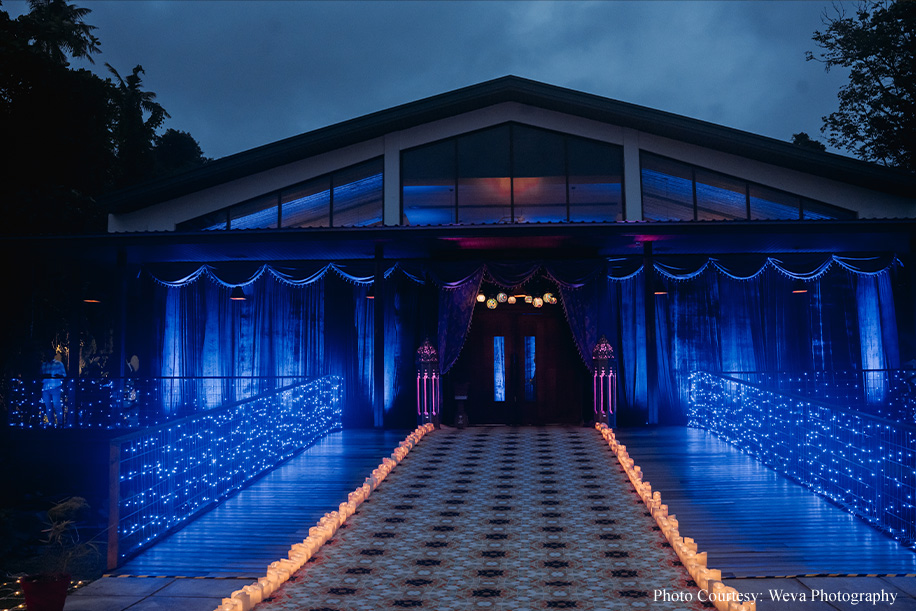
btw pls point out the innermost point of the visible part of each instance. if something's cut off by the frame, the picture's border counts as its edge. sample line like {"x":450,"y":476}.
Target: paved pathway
{"x":502,"y":518}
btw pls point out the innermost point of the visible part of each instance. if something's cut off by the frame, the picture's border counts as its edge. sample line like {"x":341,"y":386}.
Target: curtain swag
{"x":566,"y":274}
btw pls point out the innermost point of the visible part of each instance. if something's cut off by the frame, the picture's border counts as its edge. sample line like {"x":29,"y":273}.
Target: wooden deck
{"x":752,"y":521}
{"x":240,"y":537}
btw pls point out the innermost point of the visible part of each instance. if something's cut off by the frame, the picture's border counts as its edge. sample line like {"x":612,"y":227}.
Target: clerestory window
{"x":511,"y":173}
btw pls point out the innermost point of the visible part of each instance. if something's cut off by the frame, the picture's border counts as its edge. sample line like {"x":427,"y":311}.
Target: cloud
{"x":241,"y":74}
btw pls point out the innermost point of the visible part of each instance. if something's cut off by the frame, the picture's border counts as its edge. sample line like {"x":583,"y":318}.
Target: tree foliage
{"x":138,"y":116}
{"x":803,"y":140}
{"x":72,"y":134}
{"x":57,"y":30}
{"x":876,"y":119}
{"x":176,"y":151}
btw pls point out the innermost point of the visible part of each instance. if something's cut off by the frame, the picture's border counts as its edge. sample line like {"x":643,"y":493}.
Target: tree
{"x":176,"y":151}
{"x":56,"y":126}
{"x":71,"y":136}
{"x":876,"y":119}
{"x":803,"y":140}
{"x":138,"y":118}
{"x":57,"y":29}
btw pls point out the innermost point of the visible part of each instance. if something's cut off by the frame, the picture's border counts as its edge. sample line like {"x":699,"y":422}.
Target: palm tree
{"x":58,"y":30}
{"x":138,"y":118}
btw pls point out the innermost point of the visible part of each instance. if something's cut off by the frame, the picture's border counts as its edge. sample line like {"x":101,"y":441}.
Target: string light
{"x":126,"y":403}
{"x":169,"y":473}
{"x":863,"y":463}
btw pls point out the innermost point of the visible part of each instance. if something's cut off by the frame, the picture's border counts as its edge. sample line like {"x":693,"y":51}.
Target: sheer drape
{"x":215,"y":350}
{"x":838,"y":321}
{"x":735,"y":314}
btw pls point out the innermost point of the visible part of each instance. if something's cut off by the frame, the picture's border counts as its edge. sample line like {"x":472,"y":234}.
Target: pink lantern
{"x":605,"y":381}
{"x":428,"y":384}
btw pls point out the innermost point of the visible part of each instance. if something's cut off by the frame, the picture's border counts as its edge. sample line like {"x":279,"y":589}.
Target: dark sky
{"x":240,"y":74}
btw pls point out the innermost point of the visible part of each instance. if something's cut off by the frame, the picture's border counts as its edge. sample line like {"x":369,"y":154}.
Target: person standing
{"x":53,"y":373}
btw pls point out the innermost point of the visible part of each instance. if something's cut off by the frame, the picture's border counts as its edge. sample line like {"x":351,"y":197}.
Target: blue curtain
{"x":278,"y":331}
{"x":410,"y":318}
{"x":281,"y":331}
{"x":837,"y":321}
{"x":732,"y":314}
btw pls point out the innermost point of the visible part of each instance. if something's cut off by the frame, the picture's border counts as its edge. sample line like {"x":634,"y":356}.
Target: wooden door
{"x":522,"y":367}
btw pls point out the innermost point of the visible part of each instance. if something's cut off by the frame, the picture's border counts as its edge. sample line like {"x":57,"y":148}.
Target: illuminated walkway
{"x":781,"y":529}
{"x":502,"y":518}
{"x":240,"y":537}
{"x":752,"y":521}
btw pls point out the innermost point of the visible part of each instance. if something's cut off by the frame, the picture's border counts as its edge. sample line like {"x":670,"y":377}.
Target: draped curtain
{"x":731,"y":314}
{"x":237,"y":348}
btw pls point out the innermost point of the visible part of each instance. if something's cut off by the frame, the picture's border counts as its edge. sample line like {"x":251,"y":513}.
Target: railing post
{"x":114,"y":503}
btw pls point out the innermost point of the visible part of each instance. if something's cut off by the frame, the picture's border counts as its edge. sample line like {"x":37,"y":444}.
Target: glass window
{"x":307,"y":205}
{"x":769,"y":203}
{"x":499,"y":368}
{"x":539,"y":175}
{"x":207,"y":222}
{"x":595,"y":177}
{"x":667,"y":190}
{"x":531,"y":386}
{"x":484,"y":185}
{"x":720,"y":197}
{"x":818,"y":210}
{"x":357,"y":195}
{"x":428,"y":184}
{"x":258,"y":213}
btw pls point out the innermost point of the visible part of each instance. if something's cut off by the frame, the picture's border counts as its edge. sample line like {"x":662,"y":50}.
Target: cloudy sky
{"x":240,"y":74}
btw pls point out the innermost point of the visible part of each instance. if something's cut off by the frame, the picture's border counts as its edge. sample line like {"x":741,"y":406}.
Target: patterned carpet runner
{"x":498,"y":518}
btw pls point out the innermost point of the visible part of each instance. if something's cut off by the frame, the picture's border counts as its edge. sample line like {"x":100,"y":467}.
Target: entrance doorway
{"x":521,"y":367}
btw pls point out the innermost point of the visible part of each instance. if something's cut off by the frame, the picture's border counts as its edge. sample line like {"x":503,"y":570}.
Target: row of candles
{"x":725,"y":598}
{"x":280,"y":571}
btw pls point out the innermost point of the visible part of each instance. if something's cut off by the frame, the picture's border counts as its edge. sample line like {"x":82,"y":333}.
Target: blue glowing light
{"x":499,"y":368}
{"x":169,"y":473}
{"x":865,"y":464}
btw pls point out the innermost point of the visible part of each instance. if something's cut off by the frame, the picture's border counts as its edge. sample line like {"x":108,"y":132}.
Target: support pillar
{"x":651,"y":347}
{"x":378,"y":343}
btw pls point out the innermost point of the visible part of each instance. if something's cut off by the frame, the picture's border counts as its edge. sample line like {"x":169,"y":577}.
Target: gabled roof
{"x":523,"y":91}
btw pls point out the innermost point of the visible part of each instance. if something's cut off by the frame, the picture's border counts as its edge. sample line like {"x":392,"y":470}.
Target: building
{"x":693,"y":248}
{"x":517,"y":171}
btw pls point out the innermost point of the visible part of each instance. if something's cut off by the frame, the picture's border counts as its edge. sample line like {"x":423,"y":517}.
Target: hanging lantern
{"x":511,"y":299}
{"x":528,"y":298}
{"x":491,"y":303}
{"x":502,"y":297}
{"x":604,"y":385}
{"x":548,"y":297}
{"x":428,"y":387}
{"x":538,"y":302}
{"x":481,"y":297}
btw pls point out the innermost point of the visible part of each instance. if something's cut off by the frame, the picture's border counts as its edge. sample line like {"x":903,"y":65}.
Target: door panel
{"x":522,"y":368}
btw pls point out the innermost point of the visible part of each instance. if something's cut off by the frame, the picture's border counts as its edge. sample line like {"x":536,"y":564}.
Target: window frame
{"x":512,"y":126}
{"x":843,"y":213}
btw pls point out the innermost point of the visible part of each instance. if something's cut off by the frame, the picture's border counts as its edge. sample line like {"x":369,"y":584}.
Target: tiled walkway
{"x":495,"y":518}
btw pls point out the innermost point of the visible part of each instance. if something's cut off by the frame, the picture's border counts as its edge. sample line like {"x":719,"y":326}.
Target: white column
{"x":391,"y":214}
{"x":631,"y":177}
